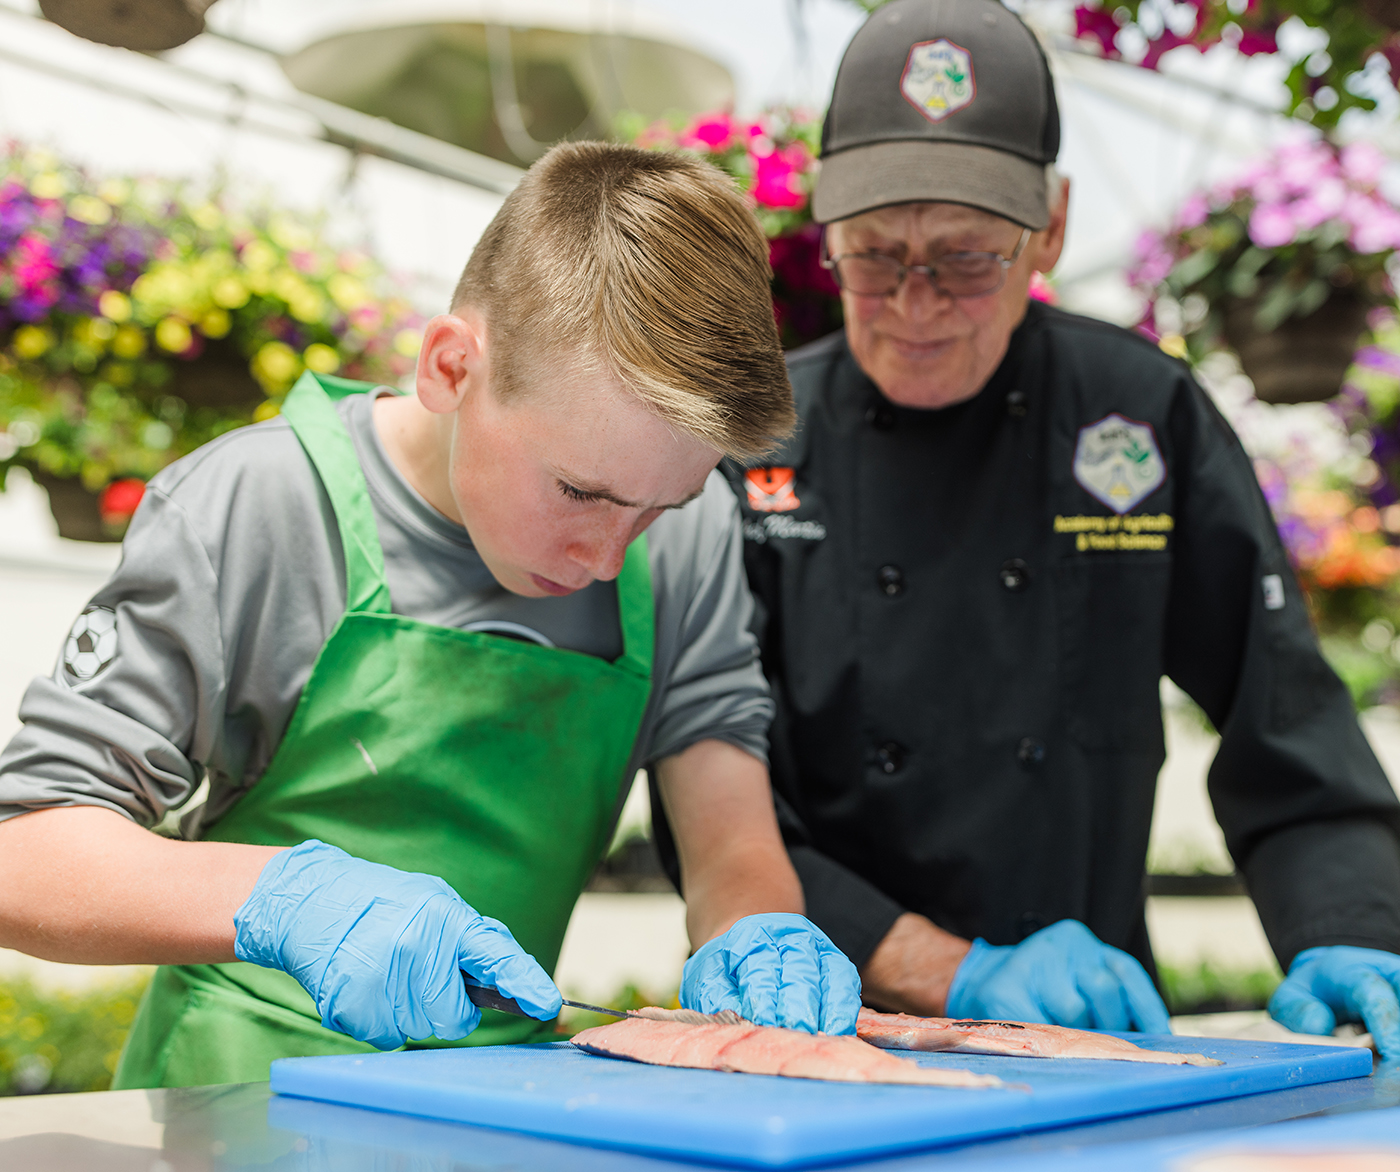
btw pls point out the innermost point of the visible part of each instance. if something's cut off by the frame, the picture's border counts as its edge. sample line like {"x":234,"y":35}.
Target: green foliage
{"x":1208,"y":989}
{"x":1352,"y":37}
{"x":62,"y":1041}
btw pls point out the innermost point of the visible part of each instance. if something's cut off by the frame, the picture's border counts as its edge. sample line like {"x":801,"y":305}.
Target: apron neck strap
{"x":636,"y":610}
{"x":312,"y":414}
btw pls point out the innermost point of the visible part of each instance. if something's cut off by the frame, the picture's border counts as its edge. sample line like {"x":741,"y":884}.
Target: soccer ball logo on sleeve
{"x":92,"y":643}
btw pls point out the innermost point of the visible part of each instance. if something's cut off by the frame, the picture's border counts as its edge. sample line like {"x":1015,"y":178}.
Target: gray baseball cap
{"x":944,"y":100}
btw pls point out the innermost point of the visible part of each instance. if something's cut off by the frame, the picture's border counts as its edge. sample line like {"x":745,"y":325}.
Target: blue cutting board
{"x":757,"y":1120}
{"x":1361,"y":1131}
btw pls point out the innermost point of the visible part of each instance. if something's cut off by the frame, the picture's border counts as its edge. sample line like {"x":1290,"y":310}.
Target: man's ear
{"x":1050,"y":240}
{"x":452,"y":361}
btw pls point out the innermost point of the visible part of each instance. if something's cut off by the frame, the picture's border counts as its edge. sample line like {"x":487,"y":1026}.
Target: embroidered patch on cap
{"x":92,"y":643}
{"x":772,"y":490}
{"x":937,"y":79}
{"x":1117,"y":461}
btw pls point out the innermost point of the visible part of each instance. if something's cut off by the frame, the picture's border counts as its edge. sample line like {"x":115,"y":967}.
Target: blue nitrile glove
{"x":382,"y":951}
{"x":1062,"y":975}
{"x":775,"y":969}
{"x":1339,"y":983}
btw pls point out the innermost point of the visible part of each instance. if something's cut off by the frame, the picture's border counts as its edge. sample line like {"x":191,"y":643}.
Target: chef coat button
{"x":1016,"y":404}
{"x":1028,"y":924}
{"x":891,"y":756}
{"x":890,"y":579}
{"x":1030,"y":753}
{"x":1015,"y":575}
{"x":880,"y":416}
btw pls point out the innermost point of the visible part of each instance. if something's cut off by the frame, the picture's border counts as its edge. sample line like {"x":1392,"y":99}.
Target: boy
{"x":387,"y":632}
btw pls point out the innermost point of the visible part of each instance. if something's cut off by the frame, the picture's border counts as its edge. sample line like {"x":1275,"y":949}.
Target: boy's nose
{"x":603,"y":551}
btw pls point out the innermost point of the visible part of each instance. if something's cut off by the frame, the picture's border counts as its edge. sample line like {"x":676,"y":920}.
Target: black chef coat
{"x":965,"y":644}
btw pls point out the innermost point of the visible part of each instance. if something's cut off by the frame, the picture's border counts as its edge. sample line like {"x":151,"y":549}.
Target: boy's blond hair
{"x":649,"y":264}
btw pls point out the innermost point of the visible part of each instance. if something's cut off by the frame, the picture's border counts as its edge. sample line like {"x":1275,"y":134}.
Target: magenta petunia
{"x":715,"y":132}
{"x":1096,"y":24}
{"x":1254,"y":41}
{"x":777,"y":176}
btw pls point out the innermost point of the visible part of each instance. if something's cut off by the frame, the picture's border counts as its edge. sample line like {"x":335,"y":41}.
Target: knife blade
{"x":488,"y":998}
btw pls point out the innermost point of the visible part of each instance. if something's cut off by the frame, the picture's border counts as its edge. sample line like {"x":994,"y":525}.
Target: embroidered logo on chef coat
{"x":92,"y":643}
{"x":772,"y":490}
{"x":1117,"y":461}
{"x":937,"y":79}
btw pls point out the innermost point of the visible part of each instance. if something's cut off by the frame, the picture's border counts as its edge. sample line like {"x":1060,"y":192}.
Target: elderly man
{"x":997,"y":528}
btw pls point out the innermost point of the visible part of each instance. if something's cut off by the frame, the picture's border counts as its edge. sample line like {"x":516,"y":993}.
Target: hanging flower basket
{"x":1304,"y":362}
{"x":1281,"y":265}
{"x":140,"y":319}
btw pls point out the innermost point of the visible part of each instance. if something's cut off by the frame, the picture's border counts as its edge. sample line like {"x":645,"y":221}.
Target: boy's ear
{"x":452,"y":360}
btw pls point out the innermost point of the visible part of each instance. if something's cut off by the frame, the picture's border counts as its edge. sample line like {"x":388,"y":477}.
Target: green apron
{"x":493,"y":763}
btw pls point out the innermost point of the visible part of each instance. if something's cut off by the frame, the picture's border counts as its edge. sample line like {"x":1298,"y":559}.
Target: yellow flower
{"x":259,"y":256}
{"x":31,"y":341}
{"x":115,"y":306}
{"x":407,"y":342}
{"x":230,"y":292}
{"x":1173,"y":344}
{"x":49,"y":185}
{"x":307,"y":306}
{"x":347,"y":292}
{"x":207,"y":216}
{"x":215,"y":324}
{"x":267,"y":409}
{"x":289,"y":234}
{"x":115,"y":191}
{"x":321,"y":358}
{"x":89,"y":209}
{"x":276,"y":364}
{"x":174,"y":335}
{"x":130,"y":342}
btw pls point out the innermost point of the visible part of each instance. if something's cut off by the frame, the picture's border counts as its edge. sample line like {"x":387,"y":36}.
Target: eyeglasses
{"x":955,"y":274}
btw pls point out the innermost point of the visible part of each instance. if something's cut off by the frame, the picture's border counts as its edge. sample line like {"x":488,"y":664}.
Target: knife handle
{"x":491,"y":999}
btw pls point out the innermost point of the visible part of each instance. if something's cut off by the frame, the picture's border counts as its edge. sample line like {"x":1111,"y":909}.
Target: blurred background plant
{"x":1238,"y":285}
{"x":1327,"y":77}
{"x":140,"y":318}
{"x":57,"y":1041}
{"x":1302,"y":236}
{"x":773,"y":159}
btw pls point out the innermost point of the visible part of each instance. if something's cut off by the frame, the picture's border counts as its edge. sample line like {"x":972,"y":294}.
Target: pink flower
{"x":1302,"y":164}
{"x":1324,"y":203}
{"x":1096,"y":24}
{"x":1193,"y":212}
{"x":1362,"y":163}
{"x":33,"y":265}
{"x":777,"y":176}
{"x":1374,"y":227}
{"x":710,"y":132}
{"x":1270,"y":226}
{"x":1042,"y":290}
{"x":1254,"y":41}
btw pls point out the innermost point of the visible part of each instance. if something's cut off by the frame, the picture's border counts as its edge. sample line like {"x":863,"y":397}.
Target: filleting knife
{"x":493,"y":999}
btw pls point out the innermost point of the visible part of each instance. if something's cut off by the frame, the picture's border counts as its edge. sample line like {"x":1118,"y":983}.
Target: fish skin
{"x":749,"y":1049}
{"x":901,"y":1031}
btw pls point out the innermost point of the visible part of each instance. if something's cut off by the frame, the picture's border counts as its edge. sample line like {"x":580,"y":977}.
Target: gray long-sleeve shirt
{"x":232,"y":578}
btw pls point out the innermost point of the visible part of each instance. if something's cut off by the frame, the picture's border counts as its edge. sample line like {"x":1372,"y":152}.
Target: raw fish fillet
{"x":749,"y":1049}
{"x":900,"y":1031}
